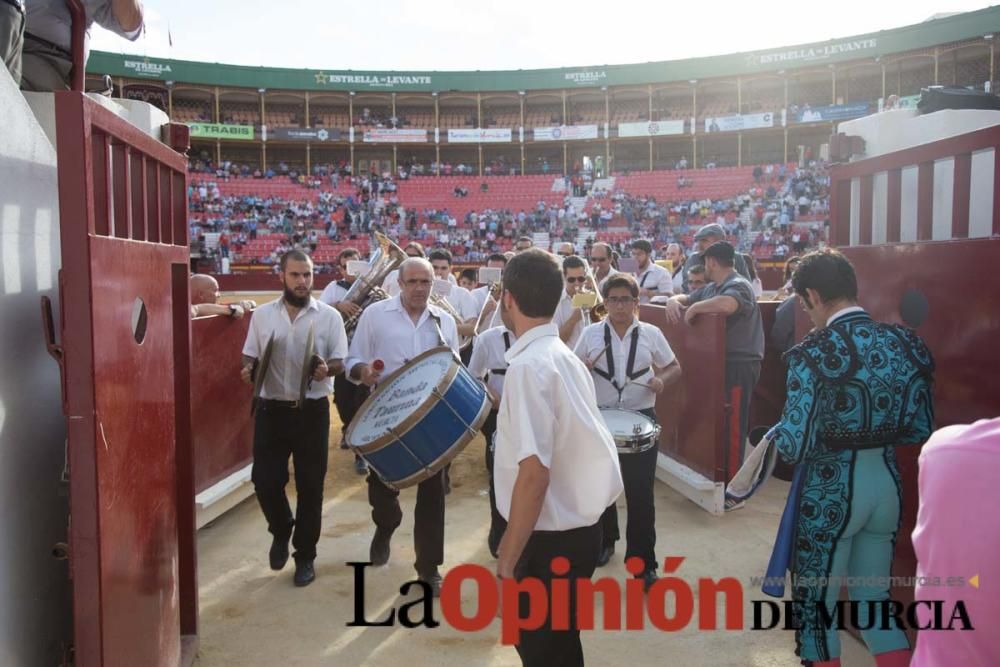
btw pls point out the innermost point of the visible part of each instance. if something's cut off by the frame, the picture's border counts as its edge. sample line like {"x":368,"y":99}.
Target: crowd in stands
{"x":783,"y":212}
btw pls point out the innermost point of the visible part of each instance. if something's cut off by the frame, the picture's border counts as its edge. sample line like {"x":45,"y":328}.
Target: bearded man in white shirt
{"x":556,"y":467}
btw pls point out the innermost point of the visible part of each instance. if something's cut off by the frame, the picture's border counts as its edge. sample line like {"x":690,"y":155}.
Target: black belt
{"x":272,"y":403}
{"x":45,"y":42}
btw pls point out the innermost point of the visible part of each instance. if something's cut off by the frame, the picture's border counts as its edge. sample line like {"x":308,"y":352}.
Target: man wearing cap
{"x":704,"y":238}
{"x":731,"y":294}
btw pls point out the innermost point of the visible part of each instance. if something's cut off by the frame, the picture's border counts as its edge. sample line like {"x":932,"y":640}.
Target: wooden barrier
{"x":221,"y":426}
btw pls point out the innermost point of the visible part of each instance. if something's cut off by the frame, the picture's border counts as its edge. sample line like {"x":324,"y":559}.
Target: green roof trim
{"x":940,"y":31}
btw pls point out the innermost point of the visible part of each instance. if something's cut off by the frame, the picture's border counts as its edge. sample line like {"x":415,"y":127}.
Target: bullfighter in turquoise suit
{"x":856,"y":389}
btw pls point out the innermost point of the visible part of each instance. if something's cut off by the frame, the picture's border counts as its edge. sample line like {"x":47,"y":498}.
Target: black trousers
{"x":348,"y":398}
{"x":428,"y":519}
{"x":497,"y":523}
{"x":303,"y":434}
{"x":546,"y":647}
{"x":638,"y":475}
{"x":742,"y":374}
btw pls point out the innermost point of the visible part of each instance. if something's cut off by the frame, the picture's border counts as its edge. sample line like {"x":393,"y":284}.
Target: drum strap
{"x":506,"y":348}
{"x":344,"y":284}
{"x":609,"y":375}
{"x":642,"y":283}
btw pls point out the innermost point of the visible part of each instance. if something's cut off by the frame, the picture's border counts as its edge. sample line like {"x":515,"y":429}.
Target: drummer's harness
{"x":630,"y":375}
{"x":499,"y":371}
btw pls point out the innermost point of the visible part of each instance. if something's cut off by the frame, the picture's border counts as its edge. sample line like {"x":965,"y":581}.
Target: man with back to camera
{"x":286,"y":426}
{"x":730,"y":294}
{"x":395,"y":331}
{"x":556,"y":466}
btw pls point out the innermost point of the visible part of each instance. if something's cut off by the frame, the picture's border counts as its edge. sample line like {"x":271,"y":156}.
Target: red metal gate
{"x":125,"y":323}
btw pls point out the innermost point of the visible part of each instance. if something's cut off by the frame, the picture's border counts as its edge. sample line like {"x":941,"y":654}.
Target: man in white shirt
{"x":675,"y":253}
{"x":600,"y":262}
{"x":479,"y":294}
{"x":347,"y":396}
{"x":556,"y":467}
{"x":654,"y":280}
{"x":565,"y":250}
{"x":285,"y":425}
{"x":488,"y":363}
{"x":395,"y":331}
{"x":569,"y":320}
{"x":632,"y":363}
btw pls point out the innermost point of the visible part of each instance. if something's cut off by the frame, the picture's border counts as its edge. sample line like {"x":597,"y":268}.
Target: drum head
{"x":400,"y":396}
{"x":625,"y":424}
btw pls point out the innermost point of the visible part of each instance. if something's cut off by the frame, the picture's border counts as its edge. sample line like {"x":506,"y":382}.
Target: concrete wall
{"x":34,"y":587}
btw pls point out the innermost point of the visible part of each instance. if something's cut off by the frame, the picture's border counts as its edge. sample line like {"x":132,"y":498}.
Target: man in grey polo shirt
{"x":731,"y":294}
{"x":12,"y":36}
{"x":704,"y":238}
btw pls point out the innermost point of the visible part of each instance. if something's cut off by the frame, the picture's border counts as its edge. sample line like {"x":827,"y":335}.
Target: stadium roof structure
{"x":945,"y":30}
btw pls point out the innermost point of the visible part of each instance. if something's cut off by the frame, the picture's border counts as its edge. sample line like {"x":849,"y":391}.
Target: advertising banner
{"x":832,"y":112}
{"x":302,"y":134}
{"x":750,"y":121}
{"x":565,"y":133}
{"x":220,"y":131}
{"x":657,"y":128}
{"x":394,"y":136}
{"x":479,"y":136}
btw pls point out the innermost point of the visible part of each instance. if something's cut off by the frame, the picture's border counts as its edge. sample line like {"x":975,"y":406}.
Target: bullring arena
{"x":127,"y":439}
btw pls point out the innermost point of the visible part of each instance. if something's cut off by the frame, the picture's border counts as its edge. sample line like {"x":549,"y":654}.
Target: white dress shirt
{"x":462,"y":301}
{"x":652,"y":349}
{"x":611,"y":272}
{"x":333,"y":293}
{"x":479,"y":297}
{"x":679,"y":281}
{"x":548,"y":410}
{"x":656,"y":278}
{"x":564,"y":310}
{"x":488,"y":356}
{"x":285,"y":371}
{"x":386,"y":331}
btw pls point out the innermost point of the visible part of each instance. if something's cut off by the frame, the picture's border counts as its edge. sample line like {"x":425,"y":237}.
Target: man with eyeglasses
{"x":654,"y":280}
{"x":391,"y":282}
{"x":696,"y":277}
{"x":395,"y":331}
{"x":347,"y":396}
{"x":569,"y":319}
{"x":632,"y":363}
{"x":600,"y":261}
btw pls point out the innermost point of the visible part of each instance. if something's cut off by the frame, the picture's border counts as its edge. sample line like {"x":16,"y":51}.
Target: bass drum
{"x":419,"y":418}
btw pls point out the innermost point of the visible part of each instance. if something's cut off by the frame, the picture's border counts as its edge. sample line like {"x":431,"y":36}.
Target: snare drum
{"x":419,"y":418}
{"x":633,"y":432}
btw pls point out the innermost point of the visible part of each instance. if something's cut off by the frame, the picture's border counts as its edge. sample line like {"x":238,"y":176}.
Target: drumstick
{"x":600,"y":354}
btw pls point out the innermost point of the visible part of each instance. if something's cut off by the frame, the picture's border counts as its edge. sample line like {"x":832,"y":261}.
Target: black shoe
{"x":360,"y":466}
{"x":343,"y":443}
{"x":278,"y":555}
{"x":649,"y":577}
{"x":432,"y":579}
{"x":304,"y":573}
{"x":607,"y":551}
{"x":494,"y":541}
{"x":378,"y":552}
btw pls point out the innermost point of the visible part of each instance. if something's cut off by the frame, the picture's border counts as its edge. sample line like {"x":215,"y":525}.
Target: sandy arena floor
{"x":252,"y":616}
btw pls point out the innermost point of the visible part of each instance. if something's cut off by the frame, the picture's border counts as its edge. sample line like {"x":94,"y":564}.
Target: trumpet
{"x":599,"y":310}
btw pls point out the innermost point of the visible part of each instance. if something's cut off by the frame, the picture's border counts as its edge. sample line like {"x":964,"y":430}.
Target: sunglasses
{"x":576,"y":279}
